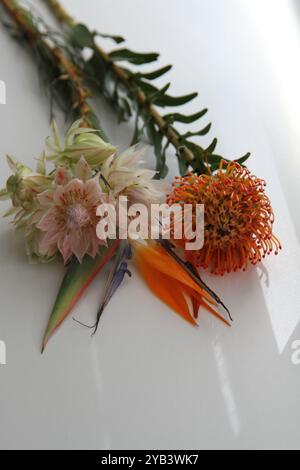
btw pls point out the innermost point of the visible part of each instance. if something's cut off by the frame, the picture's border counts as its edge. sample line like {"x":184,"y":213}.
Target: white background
{"x":148,"y":379}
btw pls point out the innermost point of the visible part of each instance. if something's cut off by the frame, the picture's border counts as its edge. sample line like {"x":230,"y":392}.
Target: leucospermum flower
{"x":238,"y":217}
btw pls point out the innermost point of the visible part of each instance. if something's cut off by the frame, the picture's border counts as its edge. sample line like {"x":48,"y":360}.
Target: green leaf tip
{"x":75,"y":282}
{"x":136,"y":58}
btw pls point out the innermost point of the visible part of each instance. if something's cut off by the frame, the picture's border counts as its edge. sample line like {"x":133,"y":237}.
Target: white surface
{"x":148,"y":380}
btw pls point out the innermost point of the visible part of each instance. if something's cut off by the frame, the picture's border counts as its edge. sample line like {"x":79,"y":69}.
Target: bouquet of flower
{"x":59,"y":211}
{"x":89,"y":204}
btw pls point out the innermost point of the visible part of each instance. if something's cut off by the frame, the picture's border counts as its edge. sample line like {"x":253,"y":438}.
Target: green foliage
{"x":152,"y":75}
{"x":156,"y":139}
{"x":116,"y":39}
{"x":81,"y":37}
{"x":125,"y":96}
{"x":136,"y":58}
{"x":60,"y":86}
{"x":132,"y":94}
{"x":177,"y":117}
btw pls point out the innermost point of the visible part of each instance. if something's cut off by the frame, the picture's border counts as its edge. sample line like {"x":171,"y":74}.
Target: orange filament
{"x":238,"y":217}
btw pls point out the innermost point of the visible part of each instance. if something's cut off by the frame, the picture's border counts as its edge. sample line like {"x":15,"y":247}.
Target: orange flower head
{"x":238,"y":217}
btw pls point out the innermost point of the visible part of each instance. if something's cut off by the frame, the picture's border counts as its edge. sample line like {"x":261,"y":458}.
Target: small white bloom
{"x":125,"y":175}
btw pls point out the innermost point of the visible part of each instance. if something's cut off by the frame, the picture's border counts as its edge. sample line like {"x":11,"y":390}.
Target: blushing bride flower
{"x":67,"y":217}
{"x":58,"y":209}
{"x":125,"y":175}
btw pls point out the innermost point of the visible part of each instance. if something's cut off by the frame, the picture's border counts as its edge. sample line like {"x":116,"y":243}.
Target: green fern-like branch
{"x":133,"y":94}
{"x":65,"y":81}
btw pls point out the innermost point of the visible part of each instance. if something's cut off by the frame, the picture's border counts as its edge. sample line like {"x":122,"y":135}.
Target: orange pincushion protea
{"x":238,"y":217}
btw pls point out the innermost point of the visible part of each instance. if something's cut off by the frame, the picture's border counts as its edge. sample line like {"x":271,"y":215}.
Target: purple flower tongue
{"x":115,"y":278}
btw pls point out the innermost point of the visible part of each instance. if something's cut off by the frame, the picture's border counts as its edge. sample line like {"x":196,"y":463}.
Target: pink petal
{"x":49,"y":239}
{"x":74,"y":185}
{"x":93,"y":243}
{"x":57,"y":195}
{"x":82,"y":169}
{"x":45,"y":198}
{"x":79,"y":243}
{"x":64,"y":247}
{"x":62,"y":176}
{"x":94,"y":192}
{"x":47,"y":221}
{"x":74,"y":188}
{"x":45,"y":247}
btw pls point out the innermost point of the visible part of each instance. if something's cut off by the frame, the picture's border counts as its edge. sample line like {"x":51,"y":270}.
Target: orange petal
{"x":166,"y":288}
{"x":161,"y":261}
{"x":210,"y":309}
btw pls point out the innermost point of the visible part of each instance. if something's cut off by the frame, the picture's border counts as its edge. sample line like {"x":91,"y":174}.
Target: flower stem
{"x":67,"y":71}
{"x":60,"y":12}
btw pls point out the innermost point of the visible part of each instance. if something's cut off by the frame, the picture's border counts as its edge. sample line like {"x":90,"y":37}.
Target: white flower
{"x":124,"y":175}
{"x":78,"y":142}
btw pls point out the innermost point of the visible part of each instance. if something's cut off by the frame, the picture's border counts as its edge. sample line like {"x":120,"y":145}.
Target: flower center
{"x":77,"y":215}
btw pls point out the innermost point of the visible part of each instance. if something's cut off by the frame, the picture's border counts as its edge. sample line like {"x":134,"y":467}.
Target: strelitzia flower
{"x":78,"y":142}
{"x":67,"y":218}
{"x":125,"y":175}
{"x":238,"y":217}
{"x":174,"y":283}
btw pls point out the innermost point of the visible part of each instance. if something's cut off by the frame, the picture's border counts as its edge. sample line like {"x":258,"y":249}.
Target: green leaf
{"x":163,"y":173}
{"x":96,"y":68}
{"x":214,"y":160}
{"x":214,"y":166}
{"x":95,"y":124}
{"x":124,"y":109}
{"x":182,"y":164}
{"x":41,"y":164}
{"x":198,"y":162}
{"x":4,"y":194}
{"x":155,"y":97}
{"x":177,"y":117}
{"x":212,"y":146}
{"x":156,"y":138}
{"x":76,"y":281}
{"x":137,"y":133}
{"x":10,"y":211}
{"x":203,"y":131}
{"x":136,"y":58}
{"x":116,"y":39}
{"x":242,"y":159}
{"x":147,"y":88}
{"x":167,"y":100}
{"x":81,"y":36}
{"x":155,"y":74}
{"x":153,"y":93}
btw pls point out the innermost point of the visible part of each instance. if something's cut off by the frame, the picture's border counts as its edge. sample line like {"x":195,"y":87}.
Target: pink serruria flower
{"x":69,"y":219}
